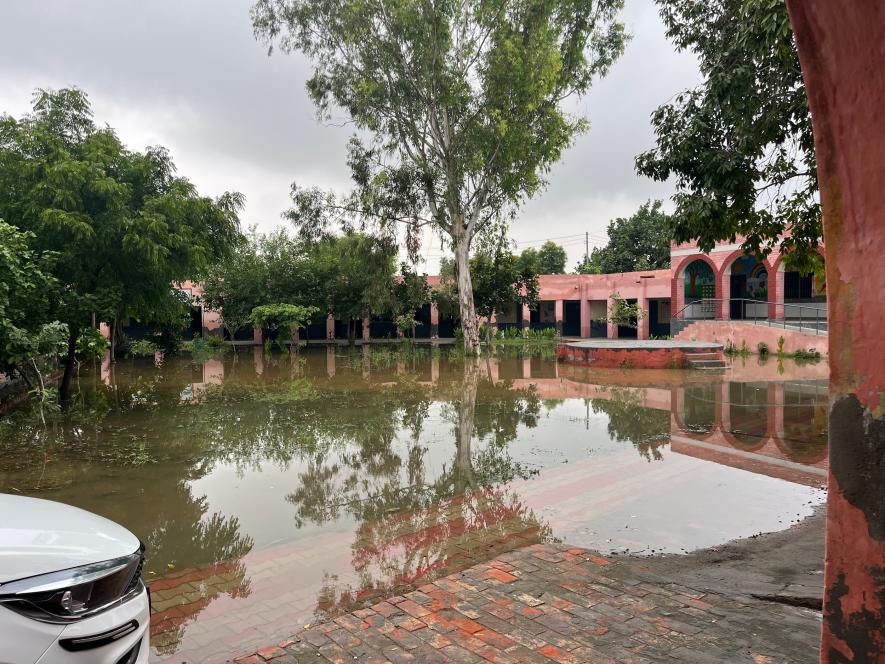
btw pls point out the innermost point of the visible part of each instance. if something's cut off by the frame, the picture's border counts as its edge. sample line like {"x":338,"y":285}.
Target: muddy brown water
{"x":275,"y":490}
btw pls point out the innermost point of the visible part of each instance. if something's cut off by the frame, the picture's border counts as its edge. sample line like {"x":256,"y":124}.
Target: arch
{"x":679,"y":271}
{"x":749,"y":281}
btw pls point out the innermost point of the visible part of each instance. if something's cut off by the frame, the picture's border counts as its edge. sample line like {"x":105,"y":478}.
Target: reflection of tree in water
{"x":413,"y":528}
{"x":629,"y":421}
{"x":100,"y":457}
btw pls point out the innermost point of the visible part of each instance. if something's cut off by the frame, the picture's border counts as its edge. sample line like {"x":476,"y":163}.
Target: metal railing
{"x":802,"y":317}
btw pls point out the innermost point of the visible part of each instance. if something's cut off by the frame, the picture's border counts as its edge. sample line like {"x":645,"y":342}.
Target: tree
{"x":282,"y":316}
{"x":549,"y":259}
{"x":357,"y":272}
{"x":410,"y":292}
{"x":624,"y":314}
{"x":122,"y":225}
{"x":25,"y":309}
{"x":500,"y":281}
{"x":639,"y":242}
{"x":461,"y":104}
{"x":740,"y":144}
{"x":235,"y":285}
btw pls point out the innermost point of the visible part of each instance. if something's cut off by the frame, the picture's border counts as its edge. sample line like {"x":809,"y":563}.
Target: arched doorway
{"x":699,"y":284}
{"x":748,"y":288}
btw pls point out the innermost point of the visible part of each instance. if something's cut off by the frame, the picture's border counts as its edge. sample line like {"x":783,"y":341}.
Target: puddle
{"x":272,"y":491}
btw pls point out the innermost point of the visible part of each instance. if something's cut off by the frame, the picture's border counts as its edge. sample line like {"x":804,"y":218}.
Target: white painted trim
{"x":691,"y":252}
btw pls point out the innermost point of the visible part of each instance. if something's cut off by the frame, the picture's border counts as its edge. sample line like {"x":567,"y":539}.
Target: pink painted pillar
{"x":612,"y":331}
{"x":434,"y":321}
{"x":585,"y":318}
{"x":723,"y":293}
{"x":257,"y":335}
{"x":558,"y":316}
{"x":366,"y":329}
{"x":526,"y":316}
{"x":644,"y":323}
{"x":526,"y":367}
{"x":330,"y":327}
{"x":841,"y":51}
{"x":776,"y":294}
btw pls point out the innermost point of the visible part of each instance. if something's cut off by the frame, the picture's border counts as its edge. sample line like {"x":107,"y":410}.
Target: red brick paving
{"x":546,"y":603}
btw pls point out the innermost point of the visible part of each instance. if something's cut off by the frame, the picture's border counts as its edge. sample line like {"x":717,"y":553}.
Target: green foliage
{"x":120,"y":225}
{"x":780,"y":345}
{"x":549,"y":259}
{"x":500,"y":281}
{"x":143,"y":348}
{"x":739,"y":145}
{"x":639,"y":242}
{"x":91,"y":344}
{"x":462,"y":104}
{"x":282,"y":316}
{"x":214,"y":341}
{"x":623,"y":313}
{"x":411,"y":291}
{"x":26,"y":284}
{"x":810,"y":354}
{"x":762,"y":349}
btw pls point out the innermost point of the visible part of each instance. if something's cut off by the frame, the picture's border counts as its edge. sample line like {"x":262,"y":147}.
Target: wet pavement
{"x":546,"y":603}
{"x":275,"y":491}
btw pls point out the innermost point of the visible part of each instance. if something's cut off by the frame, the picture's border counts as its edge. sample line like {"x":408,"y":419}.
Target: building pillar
{"x":643,"y":324}
{"x":257,"y":335}
{"x":723,"y":294}
{"x":526,"y":367}
{"x":612,"y":329}
{"x":434,"y":321}
{"x":526,"y":317}
{"x":776,"y":309}
{"x":258,"y":357}
{"x":558,"y":316}
{"x":366,"y":329}
{"x":585,"y":318}
{"x":841,"y":51}
{"x":330,"y":327}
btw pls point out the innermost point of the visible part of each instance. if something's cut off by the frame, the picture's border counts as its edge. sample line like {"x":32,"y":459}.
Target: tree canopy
{"x":740,"y":144}
{"x":460,"y":106}
{"x":121,"y":225}
{"x":550,"y":258}
{"x":638,"y":242}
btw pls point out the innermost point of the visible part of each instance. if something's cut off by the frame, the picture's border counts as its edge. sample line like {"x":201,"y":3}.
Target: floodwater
{"x":275,"y":490}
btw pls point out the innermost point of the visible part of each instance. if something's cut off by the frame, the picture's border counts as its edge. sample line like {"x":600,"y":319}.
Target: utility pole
{"x":586,"y":246}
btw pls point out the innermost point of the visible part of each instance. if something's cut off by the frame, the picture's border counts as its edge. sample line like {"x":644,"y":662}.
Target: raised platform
{"x":633,"y":354}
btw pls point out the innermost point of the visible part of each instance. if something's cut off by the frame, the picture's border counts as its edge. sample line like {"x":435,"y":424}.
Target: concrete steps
{"x":706,"y":361}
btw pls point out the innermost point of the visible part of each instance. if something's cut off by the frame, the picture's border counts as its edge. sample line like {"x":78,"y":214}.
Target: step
{"x":703,"y":355}
{"x":706,"y":363}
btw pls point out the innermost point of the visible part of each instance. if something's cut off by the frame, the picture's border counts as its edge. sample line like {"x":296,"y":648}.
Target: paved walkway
{"x":546,"y":603}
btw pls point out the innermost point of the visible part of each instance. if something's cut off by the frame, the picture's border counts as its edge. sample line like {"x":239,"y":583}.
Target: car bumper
{"x":104,"y":639}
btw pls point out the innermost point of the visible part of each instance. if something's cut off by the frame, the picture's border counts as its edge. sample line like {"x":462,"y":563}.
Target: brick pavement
{"x":550,"y":603}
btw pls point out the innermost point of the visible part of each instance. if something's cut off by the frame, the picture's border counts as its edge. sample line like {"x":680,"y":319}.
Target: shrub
{"x":143,"y":348}
{"x":91,"y":344}
{"x":762,"y":349}
{"x":214,"y":341}
{"x":810,"y":354}
{"x":780,"y":345}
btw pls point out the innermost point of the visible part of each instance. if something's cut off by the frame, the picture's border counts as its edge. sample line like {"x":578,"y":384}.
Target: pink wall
{"x":739,"y":331}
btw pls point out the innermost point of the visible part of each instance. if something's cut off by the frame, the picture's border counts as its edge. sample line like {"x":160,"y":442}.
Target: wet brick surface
{"x":548,"y":603}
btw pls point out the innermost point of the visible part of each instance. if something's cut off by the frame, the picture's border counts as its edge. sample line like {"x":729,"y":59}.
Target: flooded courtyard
{"x":273,"y":491}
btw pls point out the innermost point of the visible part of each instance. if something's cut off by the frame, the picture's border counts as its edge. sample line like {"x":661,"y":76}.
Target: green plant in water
{"x":143,"y":348}
{"x":762,"y":349}
{"x":780,"y":345}
{"x":745,"y":349}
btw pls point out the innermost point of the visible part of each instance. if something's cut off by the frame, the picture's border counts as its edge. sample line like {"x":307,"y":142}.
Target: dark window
{"x":797,"y":286}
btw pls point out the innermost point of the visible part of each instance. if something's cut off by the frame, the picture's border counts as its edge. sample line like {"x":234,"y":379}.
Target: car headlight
{"x":76,"y":593}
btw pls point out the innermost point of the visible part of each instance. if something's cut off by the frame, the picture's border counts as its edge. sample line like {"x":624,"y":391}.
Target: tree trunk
{"x":464,"y":433}
{"x":469,"y":326}
{"x":64,"y":390}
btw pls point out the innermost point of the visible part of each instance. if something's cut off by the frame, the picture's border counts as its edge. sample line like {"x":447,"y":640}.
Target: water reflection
{"x":275,"y":489}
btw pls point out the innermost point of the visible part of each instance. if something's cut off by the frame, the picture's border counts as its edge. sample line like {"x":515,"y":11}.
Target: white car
{"x":70,"y":587}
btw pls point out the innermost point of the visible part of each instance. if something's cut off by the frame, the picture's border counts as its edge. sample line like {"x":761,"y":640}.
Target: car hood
{"x":41,"y":536}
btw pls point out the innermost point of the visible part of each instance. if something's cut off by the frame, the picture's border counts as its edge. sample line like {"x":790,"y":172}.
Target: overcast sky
{"x":188,"y":74}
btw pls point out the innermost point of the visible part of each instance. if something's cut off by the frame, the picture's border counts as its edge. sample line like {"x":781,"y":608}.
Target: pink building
{"x":722,"y":285}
